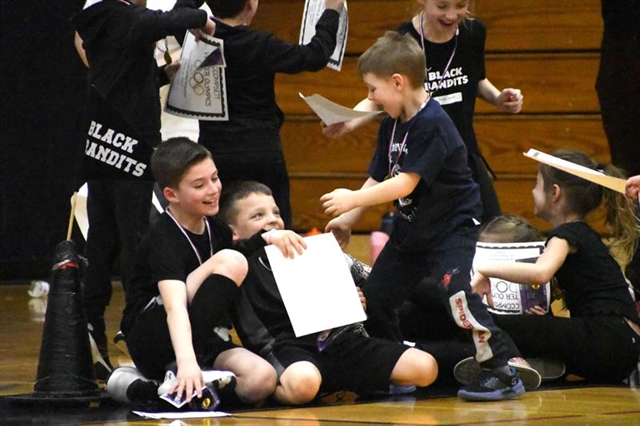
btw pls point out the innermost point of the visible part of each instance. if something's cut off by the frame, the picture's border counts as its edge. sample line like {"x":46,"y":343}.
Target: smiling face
{"x":384,"y":92}
{"x":198,"y":192}
{"x":256,"y":212}
{"x":443,"y":16}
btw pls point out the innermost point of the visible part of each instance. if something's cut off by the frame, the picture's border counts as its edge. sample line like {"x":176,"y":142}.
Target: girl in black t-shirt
{"x":601,"y":339}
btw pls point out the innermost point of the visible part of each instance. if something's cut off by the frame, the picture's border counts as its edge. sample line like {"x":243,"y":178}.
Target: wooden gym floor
{"x":21,"y":323}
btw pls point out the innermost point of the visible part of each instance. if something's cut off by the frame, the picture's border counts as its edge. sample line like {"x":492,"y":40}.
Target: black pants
{"x":395,"y":274}
{"x":598,"y":348}
{"x":618,"y":87}
{"x":118,"y":213}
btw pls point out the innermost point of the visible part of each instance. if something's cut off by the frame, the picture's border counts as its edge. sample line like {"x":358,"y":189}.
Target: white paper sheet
{"x":313,"y":9}
{"x":509,"y":297}
{"x":316,"y":287}
{"x":331,"y":112}
{"x":182,"y":415}
{"x":199,"y":91}
{"x":594,"y":176}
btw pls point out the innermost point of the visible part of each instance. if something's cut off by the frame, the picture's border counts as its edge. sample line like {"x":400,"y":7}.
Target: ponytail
{"x":622,"y":221}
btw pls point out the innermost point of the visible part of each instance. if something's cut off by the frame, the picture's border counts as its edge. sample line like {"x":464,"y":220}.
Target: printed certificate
{"x":510,"y":297}
{"x":198,"y":89}
{"x":313,"y":9}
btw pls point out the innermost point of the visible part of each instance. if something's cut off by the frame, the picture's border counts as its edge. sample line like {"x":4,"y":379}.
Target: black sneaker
{"x":359,"y":271}
{"x":468,"y":370}
{"x":128,"y":386}
{"x":493,"y":386}
{"x":216,"y":383}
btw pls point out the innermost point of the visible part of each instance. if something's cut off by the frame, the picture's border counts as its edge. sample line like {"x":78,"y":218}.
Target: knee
{"x":298,"y":388}
{"x":231,"y":264}
{"x":262,"y":383}
{"x":415,"y":368}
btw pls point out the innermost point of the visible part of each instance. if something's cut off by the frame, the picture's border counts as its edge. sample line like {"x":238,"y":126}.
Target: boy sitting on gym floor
{"x":352,"y":361}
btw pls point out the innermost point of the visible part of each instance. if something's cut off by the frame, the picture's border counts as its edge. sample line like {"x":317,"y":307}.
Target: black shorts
{"x":352,"y":362}
{"x":151,"y":350}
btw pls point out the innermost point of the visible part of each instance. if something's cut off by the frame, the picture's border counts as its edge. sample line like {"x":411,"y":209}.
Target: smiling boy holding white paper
{"x":352,"y":362}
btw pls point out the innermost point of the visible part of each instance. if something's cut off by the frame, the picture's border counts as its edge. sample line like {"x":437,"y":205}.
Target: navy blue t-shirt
{"x":446,"y":196}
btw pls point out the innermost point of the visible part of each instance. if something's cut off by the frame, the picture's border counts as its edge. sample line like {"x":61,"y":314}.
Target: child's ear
{"x":170,"y":194}
{"x":235,"y":234}
{"x":556,"y":192}
{"x":398,"y":81}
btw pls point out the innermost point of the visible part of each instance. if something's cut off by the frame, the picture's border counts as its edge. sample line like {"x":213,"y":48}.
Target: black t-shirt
{"x":456,"y":90}
{"x":253,"y":57}
{"x":165,"y":253}
{"x":446,"y":196}
{"x":591,"y":279}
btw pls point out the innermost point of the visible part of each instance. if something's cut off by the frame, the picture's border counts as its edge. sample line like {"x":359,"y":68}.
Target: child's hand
{"x":334,"y":4}
{"x":287,"y":241}
{"x":363,"y":300}
{"x":188,"y":379}
{"x":481,"y":285}
{"x":633,"y":186}
{"x":536,"y":310}
{"x":172,"y":69}
{"x":341,"y":231}
{"x":335,"y":130}
{"x":510,"y":100}
{"x":338,"y":201}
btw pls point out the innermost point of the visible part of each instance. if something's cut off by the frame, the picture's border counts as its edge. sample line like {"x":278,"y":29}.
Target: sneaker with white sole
{"x":493,"y":386}
{"x":549,"y":369}
{"x":468,"y":370}
{"x":216,"y":382}
{"x":128,"y":386}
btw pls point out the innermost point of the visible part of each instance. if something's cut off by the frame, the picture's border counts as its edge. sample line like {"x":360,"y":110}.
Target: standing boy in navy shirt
{"x":421,"y":163}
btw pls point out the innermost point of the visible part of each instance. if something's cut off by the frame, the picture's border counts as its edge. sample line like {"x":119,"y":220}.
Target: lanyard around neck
{"x":453,"y":53}
{"x":392,"y":163}
{"x":193,"y":246}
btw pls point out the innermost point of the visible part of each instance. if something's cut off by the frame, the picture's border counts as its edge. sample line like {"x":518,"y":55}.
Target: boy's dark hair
{"x":226,"y":8}
{"x":235,"y":191}
{"x":173,"y":158}
{"x":394,"y":53}
{"x":510,"y":229}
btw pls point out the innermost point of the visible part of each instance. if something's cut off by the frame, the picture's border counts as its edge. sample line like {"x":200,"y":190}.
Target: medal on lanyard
{"x":193,"y":246}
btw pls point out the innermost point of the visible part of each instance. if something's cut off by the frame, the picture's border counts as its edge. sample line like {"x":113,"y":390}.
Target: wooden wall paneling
{"x":503,"y":139}
{"x":523,"y":25}
{"x":307,"y":210}
{"x":561,"y":84}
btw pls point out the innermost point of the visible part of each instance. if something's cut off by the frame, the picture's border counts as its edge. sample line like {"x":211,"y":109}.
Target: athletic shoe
{"x":549,"y":369}
{"x":328,"y":336}
{"x":120,"y":342}
{"x":128,"y":386}
{"x":401,"y":390}
{"x":216,"y":382}
{"x":493,"y":386}
{"x":102,"y":367}
{"x":468,"y":370}
{"x":359,"y":271}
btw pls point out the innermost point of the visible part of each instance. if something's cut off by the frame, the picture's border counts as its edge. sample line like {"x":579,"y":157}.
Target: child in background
{"x":421,"y":163}
{"x":601,"y":340}
{"x":186,"y":278}
{"x":248,"y":146}
{"x":352,"y":361}
{"x":453,"y":44}
{"x":424,"y":320}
